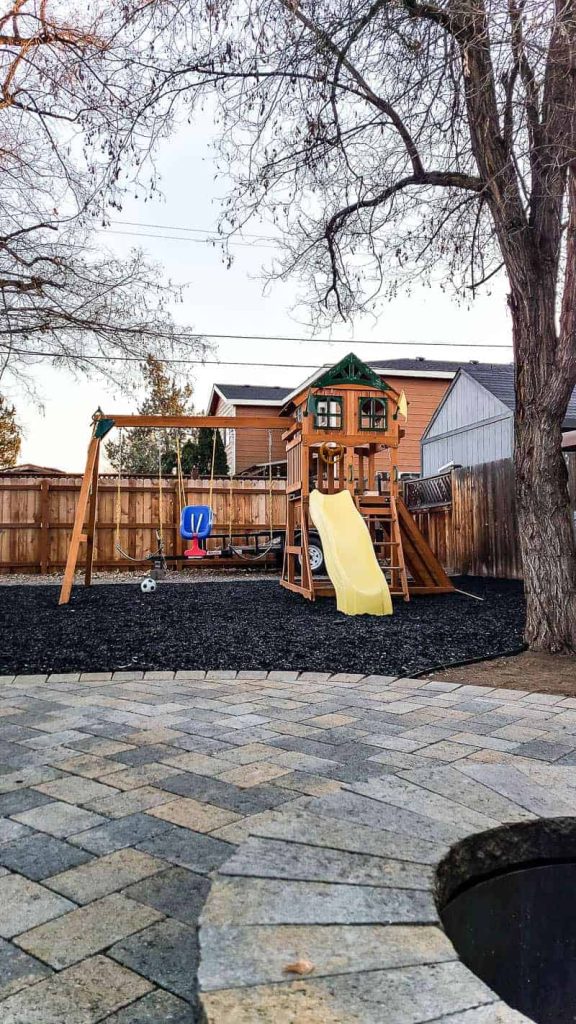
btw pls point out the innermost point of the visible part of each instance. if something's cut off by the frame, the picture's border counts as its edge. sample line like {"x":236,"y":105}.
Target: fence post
{"x":44,"y":526}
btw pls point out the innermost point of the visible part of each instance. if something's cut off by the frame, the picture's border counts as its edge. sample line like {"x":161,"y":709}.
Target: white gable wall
{"x":465,"y":402}
{"x":471,"y":426}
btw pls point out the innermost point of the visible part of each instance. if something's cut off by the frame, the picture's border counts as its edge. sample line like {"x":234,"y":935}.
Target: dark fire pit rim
{"x":500,"y":850}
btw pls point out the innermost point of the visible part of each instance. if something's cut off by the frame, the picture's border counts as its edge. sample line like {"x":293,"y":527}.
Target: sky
{"x":233,"y":302}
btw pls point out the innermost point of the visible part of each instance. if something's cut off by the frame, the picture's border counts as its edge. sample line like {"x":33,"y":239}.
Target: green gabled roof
{"x":351,"y":370}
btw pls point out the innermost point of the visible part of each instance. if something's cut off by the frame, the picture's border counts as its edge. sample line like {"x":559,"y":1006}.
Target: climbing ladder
{"x":380,"y":512}
{"x":406,"y":558}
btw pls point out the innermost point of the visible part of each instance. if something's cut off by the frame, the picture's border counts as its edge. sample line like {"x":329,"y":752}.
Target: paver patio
{"x":297,"y":817}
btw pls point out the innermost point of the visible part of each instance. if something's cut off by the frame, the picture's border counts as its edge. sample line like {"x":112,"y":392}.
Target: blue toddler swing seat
{"x":196,"y":524}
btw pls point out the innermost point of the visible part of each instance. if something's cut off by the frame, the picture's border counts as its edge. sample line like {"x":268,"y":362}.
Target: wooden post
{"x":178,"y":547}
{"x":77,"y":535}
{"x":360,"y":488}
{"x":372,"y":468}
{"x":92,"y":514}
{"x":44,"y":524}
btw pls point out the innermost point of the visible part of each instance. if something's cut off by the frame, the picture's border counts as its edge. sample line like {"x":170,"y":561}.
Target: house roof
{"x":248,"y":394}
{"x":499,"y":380}
{"x":419,"y":366}
{"x":30,"y":469}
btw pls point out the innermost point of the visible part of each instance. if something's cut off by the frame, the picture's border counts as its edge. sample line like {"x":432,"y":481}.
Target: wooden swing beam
{"x":229,"y":422}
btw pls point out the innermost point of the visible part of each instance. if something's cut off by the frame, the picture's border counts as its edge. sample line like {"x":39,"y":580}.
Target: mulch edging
{"x":231,"y":625}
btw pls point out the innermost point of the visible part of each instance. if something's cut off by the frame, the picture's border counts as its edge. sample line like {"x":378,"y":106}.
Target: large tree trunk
{"x":547,"y":541}
{"x":546,"y":535}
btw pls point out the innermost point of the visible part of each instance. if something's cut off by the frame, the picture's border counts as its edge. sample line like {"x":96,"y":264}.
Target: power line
{"x":89,"y":357}
{"x":347,"y":341}
{"x":165,"y":359}
{"x":175,"y":238}
{"x":195,"y":231}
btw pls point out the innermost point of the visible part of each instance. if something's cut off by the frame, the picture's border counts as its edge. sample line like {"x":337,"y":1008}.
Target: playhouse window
{"x":328,"y":413}
{"x":373,"y":414}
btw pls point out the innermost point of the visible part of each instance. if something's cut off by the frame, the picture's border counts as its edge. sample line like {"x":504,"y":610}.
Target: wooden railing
{"x":428,"y":492}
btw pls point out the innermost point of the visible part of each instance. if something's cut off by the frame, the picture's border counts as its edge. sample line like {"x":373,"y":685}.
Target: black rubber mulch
{"x":253,"y":625}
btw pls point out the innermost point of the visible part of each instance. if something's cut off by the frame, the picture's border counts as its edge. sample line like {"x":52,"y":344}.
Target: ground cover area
{"x":249,"y":625}
{"x":531,"y":670}
{"x":236,"y":828}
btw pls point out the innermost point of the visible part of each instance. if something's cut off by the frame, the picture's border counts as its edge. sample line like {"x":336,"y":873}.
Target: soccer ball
{"x":148,"y":586}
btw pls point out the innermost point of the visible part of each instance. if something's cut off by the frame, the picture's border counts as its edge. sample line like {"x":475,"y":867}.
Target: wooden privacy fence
{"x":475,"y":529}
{"x":37,"y":515}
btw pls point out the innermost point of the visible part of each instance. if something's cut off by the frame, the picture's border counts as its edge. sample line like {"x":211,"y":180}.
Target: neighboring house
{"x":425,"y":382}
{"x":474,"y":423}
{"x":246,"y":448}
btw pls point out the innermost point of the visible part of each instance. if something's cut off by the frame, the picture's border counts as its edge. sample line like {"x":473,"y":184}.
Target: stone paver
{"x":176,"y":892}
{"x":167,"y":953}
{"x":236,"y":956}
{"x":188,"y":849}
{"x":156,"y":1008}
{"x":271,"y":858}
{"x":261,"y":901}
{"x":387,"y":997}
{"x":26,"y":904}
{"x":11,"y":830}
{"x":117,"y":835}
{"x":123,"y":797}
{"x":83,"y":994}
{"x":40,"y":855}
{"x":60,"y":819}
{"x":194,"y":815}
{"x":18,"y":970}
{"x":75,"y":790}
{"x":106,"y":875}
{"x":86,"y":931}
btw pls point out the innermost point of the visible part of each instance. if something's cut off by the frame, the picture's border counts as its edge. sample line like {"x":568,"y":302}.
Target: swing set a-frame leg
{"x":92,"y":513}
{"x":77,"y":532}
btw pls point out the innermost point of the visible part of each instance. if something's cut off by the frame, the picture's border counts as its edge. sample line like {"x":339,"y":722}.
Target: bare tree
{"x":397,"y":140}
{"x":66,"y":159}
{"x":10,"y":435}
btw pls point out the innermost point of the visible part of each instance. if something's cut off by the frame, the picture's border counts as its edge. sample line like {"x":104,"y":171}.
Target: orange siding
{"x":250,"y":446}
{"x":424,"y":395}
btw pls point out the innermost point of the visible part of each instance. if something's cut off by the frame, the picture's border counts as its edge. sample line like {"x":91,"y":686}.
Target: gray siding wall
{"x":470,"y":427}
{"x":481,"y":442}
{"x":466,"y":402}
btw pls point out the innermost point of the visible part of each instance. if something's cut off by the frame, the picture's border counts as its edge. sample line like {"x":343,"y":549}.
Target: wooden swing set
{"x":333,"y":427}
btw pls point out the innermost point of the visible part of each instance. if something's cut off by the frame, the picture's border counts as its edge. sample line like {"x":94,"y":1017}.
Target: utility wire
{"x":201,"y":335}
{"x":176,"y":238}
{"x":88,"y":356}
{"x":207,"y":232}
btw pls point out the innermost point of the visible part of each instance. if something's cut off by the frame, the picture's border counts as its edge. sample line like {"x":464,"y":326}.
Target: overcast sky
{"x":222,"y":301}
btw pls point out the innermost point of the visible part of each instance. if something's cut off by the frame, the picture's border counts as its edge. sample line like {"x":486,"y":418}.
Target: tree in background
{"x":388,"y":142}
{"x":10,"y":436}
{"x":205,"y":446}
{"x":141,"y":447}
{"x":189,"y":457}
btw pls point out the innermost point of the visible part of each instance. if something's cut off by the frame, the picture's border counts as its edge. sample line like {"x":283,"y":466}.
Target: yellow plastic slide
{"x":360,"y":585}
